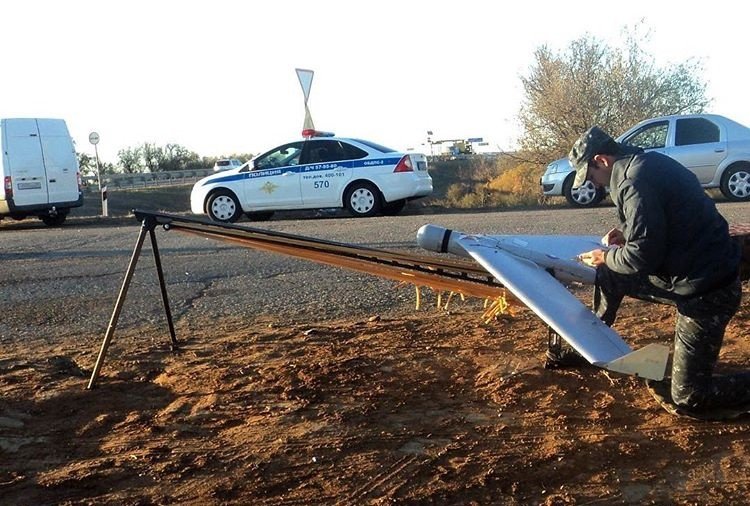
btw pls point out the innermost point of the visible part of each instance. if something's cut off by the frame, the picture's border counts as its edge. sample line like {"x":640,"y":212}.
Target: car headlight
{"x":552,"y":168}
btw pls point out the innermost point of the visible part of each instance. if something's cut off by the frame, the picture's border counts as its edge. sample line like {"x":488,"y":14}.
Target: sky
{"x":218,"y":77}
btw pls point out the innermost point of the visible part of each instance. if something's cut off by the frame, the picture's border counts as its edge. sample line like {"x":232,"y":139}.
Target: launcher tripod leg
{"x":163,"y":287}
{"x":147,"y":226}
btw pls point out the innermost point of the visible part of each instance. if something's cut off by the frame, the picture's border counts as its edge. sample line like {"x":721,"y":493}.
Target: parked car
{"x":226,"y":164}
{"x":319,"y":171}
{"x":716,"y":149}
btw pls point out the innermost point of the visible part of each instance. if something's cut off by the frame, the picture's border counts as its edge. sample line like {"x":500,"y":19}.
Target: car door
{"x":649,"y":137}
{"x":698,"y":145}
{"x":274,"y":181}
{"x":59,"y":160}
{"x":23,"y":150}
{"x":327,"y":170}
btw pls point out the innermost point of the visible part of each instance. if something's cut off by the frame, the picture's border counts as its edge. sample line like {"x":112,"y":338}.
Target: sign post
{"x":305,"y":80}
{"x":94,"y":139}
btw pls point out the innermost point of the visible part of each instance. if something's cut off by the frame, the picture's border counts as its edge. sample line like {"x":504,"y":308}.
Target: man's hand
{"x":593,"y":258}
{"x":614,"y":237}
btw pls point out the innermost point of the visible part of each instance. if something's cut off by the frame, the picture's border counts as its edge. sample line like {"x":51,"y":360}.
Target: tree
{"x":130,"y":160}
{"x":152,"y":156}
{"x":594,"y":84}
{"x":177,"y":157}
{"x":86,"y":164}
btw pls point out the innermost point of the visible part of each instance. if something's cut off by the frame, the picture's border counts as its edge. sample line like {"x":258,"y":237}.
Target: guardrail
{"x":146,"y":179}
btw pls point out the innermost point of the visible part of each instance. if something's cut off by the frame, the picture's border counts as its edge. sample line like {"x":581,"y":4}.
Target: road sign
{"x":305,"y":77}
{"x":94,"y":138}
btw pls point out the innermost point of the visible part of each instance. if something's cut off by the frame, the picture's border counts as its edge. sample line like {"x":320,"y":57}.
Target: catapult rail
{"x":440,"y":274}
{"x":455,"y":276}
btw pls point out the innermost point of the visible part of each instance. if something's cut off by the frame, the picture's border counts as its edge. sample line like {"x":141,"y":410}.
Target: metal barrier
{"x":146,"y":179}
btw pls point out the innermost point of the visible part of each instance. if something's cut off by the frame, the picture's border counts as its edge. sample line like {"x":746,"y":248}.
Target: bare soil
{"x":430,"y":408}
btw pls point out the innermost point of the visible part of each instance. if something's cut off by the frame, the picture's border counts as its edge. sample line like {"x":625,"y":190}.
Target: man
{"x":672,"y":247}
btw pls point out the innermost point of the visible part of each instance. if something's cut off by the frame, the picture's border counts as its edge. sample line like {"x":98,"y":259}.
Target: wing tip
{"x":649,"y":362}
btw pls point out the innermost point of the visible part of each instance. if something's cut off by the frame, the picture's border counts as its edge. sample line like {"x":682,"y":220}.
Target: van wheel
{"x":362,"y":199}
{"x":54,"y":221}
{"x":223,"y":206}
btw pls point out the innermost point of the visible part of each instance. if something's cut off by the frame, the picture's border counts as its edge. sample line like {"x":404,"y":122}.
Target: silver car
{"x":716,"y":149}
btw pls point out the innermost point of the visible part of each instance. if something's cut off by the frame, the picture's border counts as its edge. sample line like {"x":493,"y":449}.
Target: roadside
{"x":302,"y":384}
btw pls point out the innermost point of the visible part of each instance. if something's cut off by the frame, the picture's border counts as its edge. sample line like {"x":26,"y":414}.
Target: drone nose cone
{"x":440,"y":239}
{"x":431,"y":237}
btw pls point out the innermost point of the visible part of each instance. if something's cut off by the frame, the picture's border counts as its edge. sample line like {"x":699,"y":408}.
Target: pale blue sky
{"x":218,"y":77}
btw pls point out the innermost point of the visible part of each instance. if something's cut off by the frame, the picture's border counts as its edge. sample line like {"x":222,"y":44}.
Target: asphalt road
{"x":62,"y":282}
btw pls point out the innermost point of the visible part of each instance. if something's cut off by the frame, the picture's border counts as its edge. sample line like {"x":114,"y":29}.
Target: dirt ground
{"x":429,"y":408}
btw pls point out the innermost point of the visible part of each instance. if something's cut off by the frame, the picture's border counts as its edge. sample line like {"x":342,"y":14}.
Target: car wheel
{"x":735,"y":182}
{"x":223,"y":206}
{"x":362,"y":199}
{"x":393,"y":208}
{"x":587,"y":195}
{"x":259,"y":216}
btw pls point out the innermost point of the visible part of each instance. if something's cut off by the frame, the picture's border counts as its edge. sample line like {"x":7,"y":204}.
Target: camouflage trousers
{"x":699,"y":332}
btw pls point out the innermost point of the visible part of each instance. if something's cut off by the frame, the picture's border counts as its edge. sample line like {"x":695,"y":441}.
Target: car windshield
{"x":375,"y":146}
{"x":280,"y":157}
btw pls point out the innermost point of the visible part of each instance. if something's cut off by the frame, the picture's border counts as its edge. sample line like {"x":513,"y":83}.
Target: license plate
{"x":421,"y":165}
{"x":34,"y":185}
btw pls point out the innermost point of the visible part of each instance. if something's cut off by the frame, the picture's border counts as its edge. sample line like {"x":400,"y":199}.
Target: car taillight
{"x":404,"y":165}
{"x":80,"y":183}
{"x":8,"y":187}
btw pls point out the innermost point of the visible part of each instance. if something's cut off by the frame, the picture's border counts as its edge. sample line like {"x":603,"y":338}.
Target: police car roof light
{"x":311,"y":132}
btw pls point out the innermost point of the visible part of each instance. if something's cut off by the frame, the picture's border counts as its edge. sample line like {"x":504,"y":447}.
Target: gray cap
{"x":591,"y":143}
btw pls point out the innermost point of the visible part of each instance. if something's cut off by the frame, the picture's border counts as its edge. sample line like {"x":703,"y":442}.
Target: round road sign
{"x":94,"y":138}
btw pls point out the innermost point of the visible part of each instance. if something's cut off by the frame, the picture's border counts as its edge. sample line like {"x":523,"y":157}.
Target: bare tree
{"x":592,"y":83}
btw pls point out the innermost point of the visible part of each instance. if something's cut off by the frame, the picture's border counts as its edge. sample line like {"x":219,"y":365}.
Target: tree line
{"x":149,"y":157}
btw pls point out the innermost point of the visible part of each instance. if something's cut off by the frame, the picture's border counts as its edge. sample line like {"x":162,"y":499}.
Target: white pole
{"x":94,"y":140}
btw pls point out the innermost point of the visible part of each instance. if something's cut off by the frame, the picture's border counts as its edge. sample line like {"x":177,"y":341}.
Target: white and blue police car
{"x":320,"y":171}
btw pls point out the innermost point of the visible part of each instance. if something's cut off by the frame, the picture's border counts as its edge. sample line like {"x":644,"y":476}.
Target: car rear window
{"x":695,"y":131}
{"x":322,"y":151}
{"x":222,"y":163}
{"x":375,"y":146}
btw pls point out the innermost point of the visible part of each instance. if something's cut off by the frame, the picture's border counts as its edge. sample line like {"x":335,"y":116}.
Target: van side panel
{"x":60,"y":160}
{"x":25,"y":162}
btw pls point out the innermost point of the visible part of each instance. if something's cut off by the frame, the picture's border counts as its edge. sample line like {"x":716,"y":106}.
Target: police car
{"x":319,"y":171}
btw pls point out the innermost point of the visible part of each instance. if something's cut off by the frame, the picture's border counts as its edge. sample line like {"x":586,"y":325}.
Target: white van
{"x":39,"y":170}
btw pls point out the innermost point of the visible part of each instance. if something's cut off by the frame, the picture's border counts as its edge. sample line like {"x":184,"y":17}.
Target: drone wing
{"x":527,"y":273}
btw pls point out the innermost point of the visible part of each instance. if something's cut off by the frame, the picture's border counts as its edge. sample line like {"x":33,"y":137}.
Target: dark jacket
{"x":672,"y":229}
